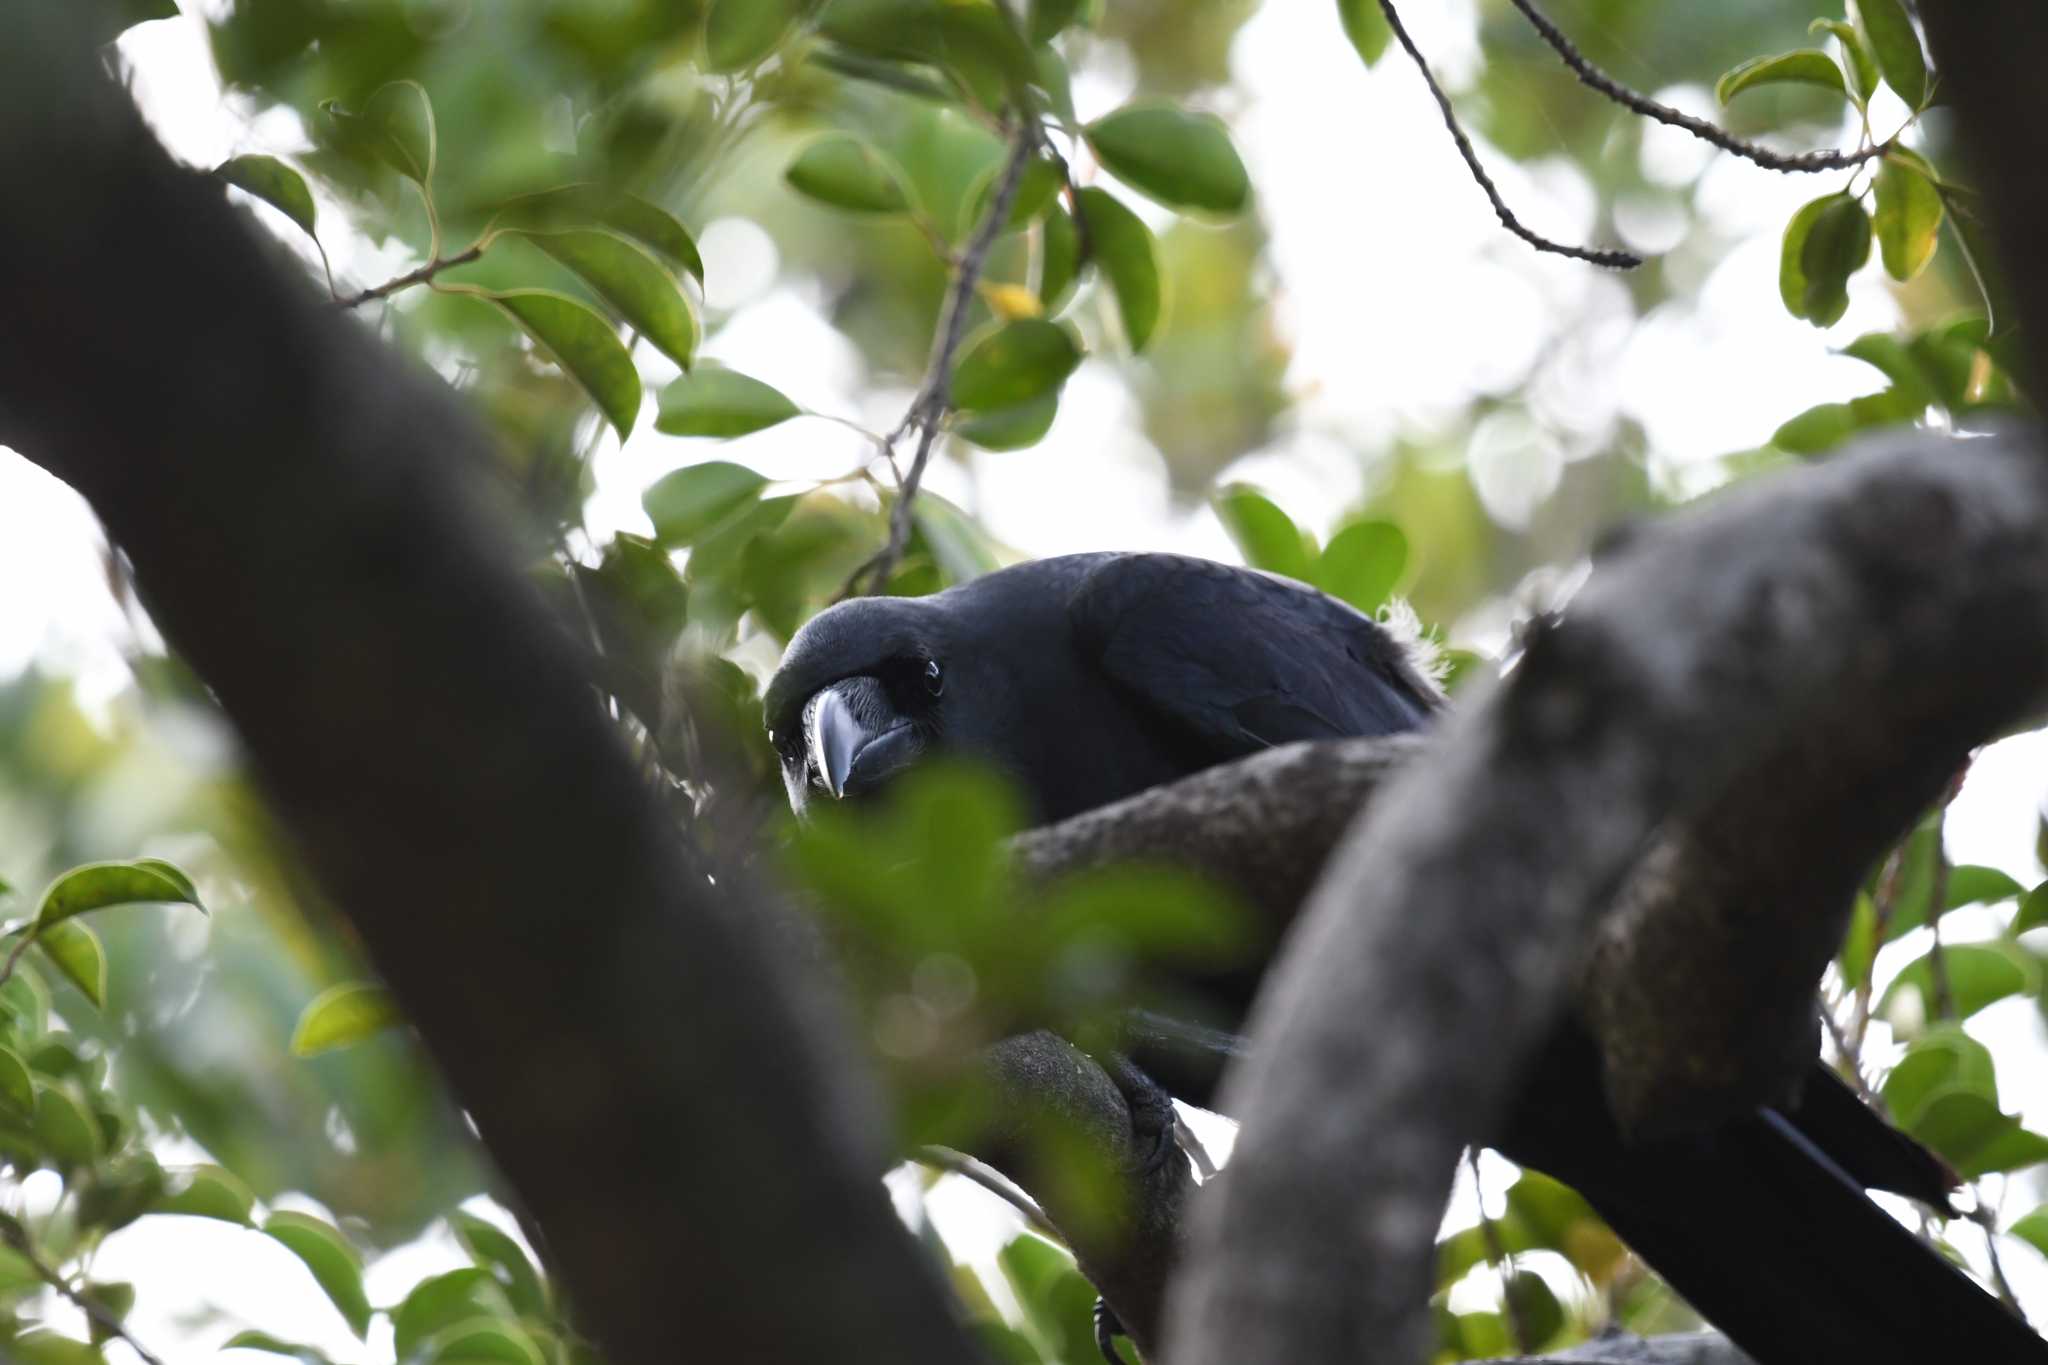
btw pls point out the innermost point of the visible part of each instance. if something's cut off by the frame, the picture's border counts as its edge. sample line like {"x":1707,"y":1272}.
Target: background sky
{"x":1402,"y":301}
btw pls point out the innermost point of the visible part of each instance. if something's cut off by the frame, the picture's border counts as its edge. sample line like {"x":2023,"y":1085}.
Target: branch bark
{"x":1893,"y":604}
{"x":305,"y":516}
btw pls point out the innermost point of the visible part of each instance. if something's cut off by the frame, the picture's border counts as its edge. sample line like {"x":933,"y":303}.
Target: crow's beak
{"x":855,"y":738}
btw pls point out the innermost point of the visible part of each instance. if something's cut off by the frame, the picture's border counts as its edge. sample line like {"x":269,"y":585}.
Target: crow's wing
{"x":1242,"y":660}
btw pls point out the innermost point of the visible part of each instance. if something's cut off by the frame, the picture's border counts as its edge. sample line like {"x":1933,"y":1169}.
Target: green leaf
{"x":1048,"y":17}
{"x":687,"y":503}
{"x":1855,"y":56}
{"x":2033,"y":911}
{"x":956,"y":543}
{"x":17,"y":1087}
{"x":719,"y":402}
{"x":1037,"y":183}
{"x":986,"y":52}
{"x":879,"y":71}
{"x":76,"y":952}
{"x":1059,"y":258}
{"x":1013,"y":363}
{"x":443,"y":1301}
{"x":96,"y":886}
{"x":481,"y":1340}
{"x":1859,"y":945}
{"x":1969,"y":1132}
{"x":1820,"y":428}
{"x":1791,"y":252}
{"x":1124,"y":249}
{"x":1011,"y":428}
{"x":627,"y":276}
{"x":1833,"y":246}
{"x":208,"y":1192}
{"x":1889,"y":32}
{"x":1892,"y":358}
{"x":1365,"y":24}
{"x":576,"y":338}
{"x":848,"y":173}
{"x":656,"y":227}
{"x":252,"y":1340}
{"x":342,"y":1015}
{"x":1908,"y":218}
{"x":2032,"y":1229}
{"x":41,"y":1347}
{"x":330,"y":1257}
{"x":1535,"y":1307}
{"x":1943,"y":1059}
{"x":395,"y":127}
{"x":1979,"y":974}
{"x":65,"y":1128}
{"x":579,"y":206}
{"x":1183,"y":160}
{"x":114,"y":1300}
{"x":1807,"y":66}
{"x":492,"y":1248}
{"x":738,"y":33}
{"x":1265,"y":535}
{"x":1969,"y":884}
{"x":275,"y":183}
{"x":1363,"y":563}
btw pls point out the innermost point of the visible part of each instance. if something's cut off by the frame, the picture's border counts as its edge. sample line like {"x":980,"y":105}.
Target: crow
{"x":1088,"y":678}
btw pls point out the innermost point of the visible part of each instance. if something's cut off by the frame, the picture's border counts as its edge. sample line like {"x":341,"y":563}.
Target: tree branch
{"x":306,"y":515}
{"x":1905,"y":587}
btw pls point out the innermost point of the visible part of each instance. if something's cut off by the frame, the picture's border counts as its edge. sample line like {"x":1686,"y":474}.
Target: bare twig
{"x":16,"y":1237}
{"x":934,"y":397}
{"x":1851,"y":1068}
{"x":995,"y":1182}
{"x":1639,"y":103}
{"x":421,"y":276}
{"x":1618,"y":260}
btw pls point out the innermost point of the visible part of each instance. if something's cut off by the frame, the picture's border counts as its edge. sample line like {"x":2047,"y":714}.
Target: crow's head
{"x":861,"y":695}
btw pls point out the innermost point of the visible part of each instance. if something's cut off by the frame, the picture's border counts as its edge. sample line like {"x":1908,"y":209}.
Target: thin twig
{"x":1851,"y":1068}
{"x":995,"y":1182}
{"x":934,"y":397}
{"x":1986,"y":1218}
{"x":1497,"y":1257}
{"x":1639,"y":103}
{"x":28,"y":936}
{"x":16,"y":1237}
{"x":421,"y":276}
{"x":1618,"y":260}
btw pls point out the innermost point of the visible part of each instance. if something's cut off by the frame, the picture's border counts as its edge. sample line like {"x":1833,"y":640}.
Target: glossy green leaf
{"x":582,"y":205}
{"x":1184,"y":160}
{"x":1011,"y":428}
{"x":2032,"y":1229}
{"x":343,"y":1015}
{"x":955,"y":542}
{"x":1059,"y":258}
{"x":1362,"y":564}
{"x":1807,"y":66}
{"x":2033,"y":911}
{"x":1048,"y":17}
{"x":208,"y":1192}
{"x":848,"y":173}
{"x":689,"y":502}
{"x":495,"y":1250}
{"x":1970,"y":884}
{"x":276,"y":184}
{"x":1791,"y":253}
{"x":986,"y":52}
{"x":333,"y":1261}
{"x":1979,"y":974}
{"x":882,"y":71}
{"x":739,"y":33}
{"x":1859,"y":945}
{"x":77,"y":953}
{"x":396,"y":127}
{"x":719,"y":402}
{"x":905,"y":30}
{"x":1037,"y":183}
{"x":481,"y":1341}
{"x":1535,"y":1307}
{"x":40,"y":1347}
{"x":1856,"y":58}
{"x":442,"y":1301}
{"x":1888,"y":30}
{"x":1834,"y":245}
{"x":64,"y":1127}
{"x":96,"y":886}
{"x":638,"y":287}
{"x":1265,"y":535}
{"x":654,"y":226}
{"x":575,"y":337}
{"x":1129,"y":260}
{"x":112,"y":1301}
{"x":1365,"y":24}
{"x":1944,"y":1059}
{"x":1892,"y":358}
{"x":1013,"y":363}
{"x":253,"y":1340}
{"x":17,"y":1086}
{"x":1908,"y":218}
{"x":1820,"y":428}
{"x":1972,"y":1135}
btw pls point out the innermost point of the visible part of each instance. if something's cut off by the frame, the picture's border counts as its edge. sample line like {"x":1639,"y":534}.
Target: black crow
{"x":1090,"y":677}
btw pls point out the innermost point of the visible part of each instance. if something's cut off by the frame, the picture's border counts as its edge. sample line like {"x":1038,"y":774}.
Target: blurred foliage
{"x":542,"y":169}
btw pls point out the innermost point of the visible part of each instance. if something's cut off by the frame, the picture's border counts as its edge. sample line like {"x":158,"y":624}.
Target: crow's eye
{"x":934,"y":678}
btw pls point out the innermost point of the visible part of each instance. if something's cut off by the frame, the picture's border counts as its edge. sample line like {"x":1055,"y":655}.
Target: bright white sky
{"x":1402,"y":300}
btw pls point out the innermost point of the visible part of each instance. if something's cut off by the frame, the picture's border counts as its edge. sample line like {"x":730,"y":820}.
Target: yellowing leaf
{"x":341,"y":1015}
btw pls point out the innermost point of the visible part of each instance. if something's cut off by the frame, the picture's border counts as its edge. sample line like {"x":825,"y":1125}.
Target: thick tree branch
{"x":303,"y":513}
{"x":1906,"y":586}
